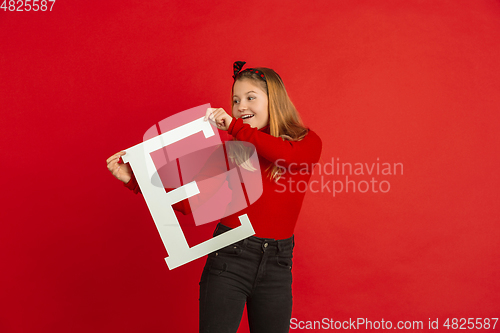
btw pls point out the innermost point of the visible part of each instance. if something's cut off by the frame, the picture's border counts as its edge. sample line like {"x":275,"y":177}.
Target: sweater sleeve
{"x":278,"y":150}
{"x":133,"y":185}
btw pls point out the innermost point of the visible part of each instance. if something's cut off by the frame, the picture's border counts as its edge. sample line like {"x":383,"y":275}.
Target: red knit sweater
{"x":275,"y":213}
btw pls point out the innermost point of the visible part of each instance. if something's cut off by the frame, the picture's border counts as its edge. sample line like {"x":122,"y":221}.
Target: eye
{"x":236,"y":101}
{"x":251,"y":98}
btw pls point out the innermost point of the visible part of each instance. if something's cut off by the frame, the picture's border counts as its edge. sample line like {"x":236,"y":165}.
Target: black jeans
{"x":256,"y":271}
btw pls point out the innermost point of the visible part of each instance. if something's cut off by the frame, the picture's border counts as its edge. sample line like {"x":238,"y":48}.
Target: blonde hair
{"x":284,"y":120}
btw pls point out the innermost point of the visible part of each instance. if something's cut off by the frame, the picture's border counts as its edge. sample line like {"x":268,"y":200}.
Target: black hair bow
{"x":237,"y":66}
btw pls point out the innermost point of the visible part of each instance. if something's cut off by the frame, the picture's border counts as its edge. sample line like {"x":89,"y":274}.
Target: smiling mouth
{"x":247,"y":116}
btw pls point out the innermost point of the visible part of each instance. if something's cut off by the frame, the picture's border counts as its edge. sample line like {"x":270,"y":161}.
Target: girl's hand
{"x":219,"y":117}
{"x":121,"y":171}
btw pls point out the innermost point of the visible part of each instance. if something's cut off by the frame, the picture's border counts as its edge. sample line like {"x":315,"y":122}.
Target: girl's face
{"x":250,"y":103}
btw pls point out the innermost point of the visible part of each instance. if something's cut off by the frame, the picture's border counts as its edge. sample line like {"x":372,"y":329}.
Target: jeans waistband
{"x":264,"y":244}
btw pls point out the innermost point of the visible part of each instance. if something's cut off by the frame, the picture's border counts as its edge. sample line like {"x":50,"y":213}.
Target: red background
{"x":414,"y":82}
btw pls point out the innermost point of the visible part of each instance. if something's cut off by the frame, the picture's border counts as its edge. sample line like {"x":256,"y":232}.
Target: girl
{"x":256,"y":271}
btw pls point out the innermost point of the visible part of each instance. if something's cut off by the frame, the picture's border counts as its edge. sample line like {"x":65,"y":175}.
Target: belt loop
{"x":280,"y":248}
{"x":245,"y":242}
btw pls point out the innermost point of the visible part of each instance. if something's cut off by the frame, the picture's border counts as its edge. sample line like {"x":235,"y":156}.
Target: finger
{"x":218,"y":115}
{"x":211,"y":120}
{"x":119,"y":154}
{"x":208,"y":113}
{"x":212,"y":113}
{"x":112,"y":166}
{"x":222,"y":122}
{"x":110,"y":159}
{"x":222,"y":114}
{"x":218,"y":111}
{"x":114,"y":160}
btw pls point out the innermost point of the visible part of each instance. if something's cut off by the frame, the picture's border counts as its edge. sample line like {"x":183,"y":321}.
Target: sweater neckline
{"x":265,"y":129}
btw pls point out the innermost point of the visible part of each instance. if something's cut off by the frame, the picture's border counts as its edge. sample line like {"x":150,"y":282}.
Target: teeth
{"x":247,"y":116}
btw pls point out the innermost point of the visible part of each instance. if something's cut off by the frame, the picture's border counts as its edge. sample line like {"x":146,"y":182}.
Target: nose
{"x":242,"y":106}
